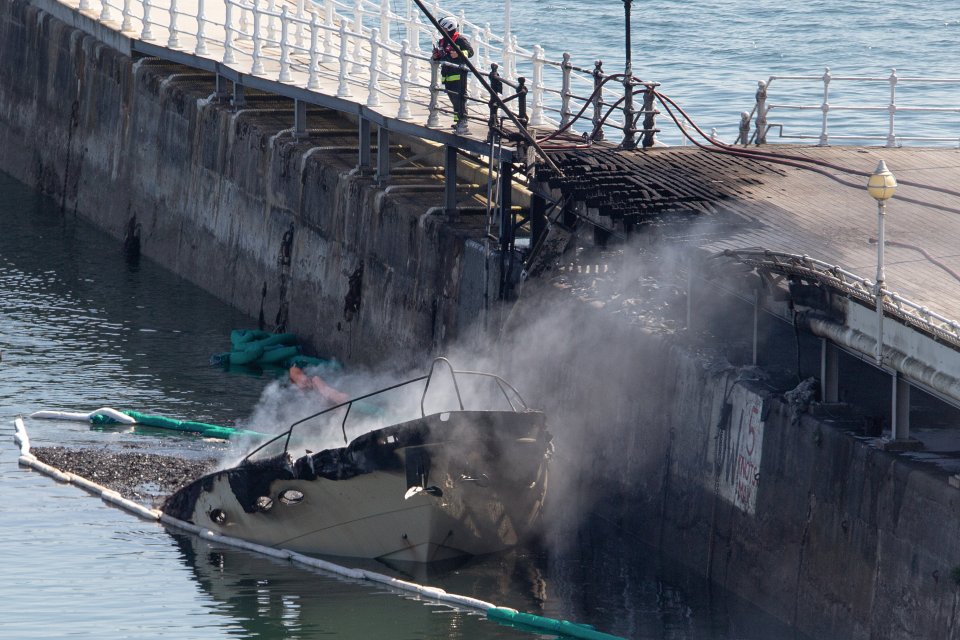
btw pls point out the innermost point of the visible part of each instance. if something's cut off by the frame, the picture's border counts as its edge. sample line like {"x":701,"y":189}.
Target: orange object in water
{"x":316,"y":383}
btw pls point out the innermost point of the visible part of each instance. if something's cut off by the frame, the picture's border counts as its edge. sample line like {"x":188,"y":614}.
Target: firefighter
{"x":451,"y":52}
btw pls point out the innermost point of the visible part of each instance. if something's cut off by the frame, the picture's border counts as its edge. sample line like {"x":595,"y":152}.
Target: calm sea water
{"x":80,"y":328}
{"x":708,"y":56}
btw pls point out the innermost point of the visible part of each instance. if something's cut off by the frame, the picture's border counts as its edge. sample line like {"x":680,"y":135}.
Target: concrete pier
{"x":720,"y":408}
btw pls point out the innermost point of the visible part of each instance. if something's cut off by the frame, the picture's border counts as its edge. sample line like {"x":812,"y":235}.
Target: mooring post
{"x":383,"y":155}
{"x":450,"y":182}
{"x":364,"y":143}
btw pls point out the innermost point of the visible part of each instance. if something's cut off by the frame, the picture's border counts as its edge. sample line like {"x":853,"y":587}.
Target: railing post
{"x":271,"y":21}
{"x":385,"y":21}
{"x":147,"y":32}
{"x":413,"y":35}
{"x":329,"y":11}
{"x":244,"y":31}
{"x":522,"y":101}
{"x":566,"y":69}
{"x":744,"y":137}
{"x":343,"y":89}
{"x":373,"y":86}
{"x":434,"y":118}
{"x":201,"y":48}
{"x":892,"y":108}
{"x":284,"y":45}
{"x":257,"y":67}
{"x":358,"y":35}
{"x":761,"y":112}
{"x":173,"y":41}
{"x":536,"y":119}
{"x":404,"y":98}
{"x":649,"y":117}
{"x":825,"y":108}
{"x":314,"y":81}
{"x":228,"y":33}
{"x":127,"y":24}
{"x":300,"y":10}
{"x":104,"y":11}
{"x":597,"y":100}
{"x":496,"y":84}
{"x":508,"y":62}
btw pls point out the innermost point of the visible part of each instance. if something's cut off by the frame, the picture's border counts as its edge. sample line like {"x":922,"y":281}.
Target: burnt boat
{"x":446,"y":483}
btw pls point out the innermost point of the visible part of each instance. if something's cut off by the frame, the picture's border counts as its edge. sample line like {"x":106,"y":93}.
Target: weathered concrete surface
{"x":845,"y":541}
{"x":369,"y":277}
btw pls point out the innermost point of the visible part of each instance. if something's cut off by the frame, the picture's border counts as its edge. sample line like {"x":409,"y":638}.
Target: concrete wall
{"x":842,"y":539}
{"x":215,"y":191}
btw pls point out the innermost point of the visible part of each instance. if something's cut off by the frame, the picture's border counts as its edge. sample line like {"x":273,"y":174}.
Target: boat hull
{"x":447,"y":485}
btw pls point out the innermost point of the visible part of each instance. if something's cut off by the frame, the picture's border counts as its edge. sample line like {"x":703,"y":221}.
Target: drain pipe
{"x":912,"y":368}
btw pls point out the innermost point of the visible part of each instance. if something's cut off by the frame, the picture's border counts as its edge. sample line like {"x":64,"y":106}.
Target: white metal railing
{"x":853,"y":285}
{"x":365,"y":46}
{"x":857,"y":87}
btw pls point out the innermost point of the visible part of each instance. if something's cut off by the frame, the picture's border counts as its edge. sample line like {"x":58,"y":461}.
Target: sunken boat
{"x":466,"y":475}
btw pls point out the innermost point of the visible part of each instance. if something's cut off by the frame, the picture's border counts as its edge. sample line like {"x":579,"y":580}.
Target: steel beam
{"x":450,"y":181}
{"x":383,"y":154}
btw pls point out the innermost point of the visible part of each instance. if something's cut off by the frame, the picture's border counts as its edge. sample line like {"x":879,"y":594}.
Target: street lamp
{"x":880,"y":186}
{"x":629,"y":140}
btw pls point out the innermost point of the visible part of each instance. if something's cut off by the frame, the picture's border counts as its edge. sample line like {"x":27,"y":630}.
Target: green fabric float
{"x":562,"y":627}
{"x":202,"y":428}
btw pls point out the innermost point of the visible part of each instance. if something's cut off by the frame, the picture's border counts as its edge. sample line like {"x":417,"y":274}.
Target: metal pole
{"x":629,"y":141}
{"x":881,"y":278}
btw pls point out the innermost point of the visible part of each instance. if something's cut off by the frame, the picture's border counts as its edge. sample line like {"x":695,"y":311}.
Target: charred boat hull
{"x":444,"y":485}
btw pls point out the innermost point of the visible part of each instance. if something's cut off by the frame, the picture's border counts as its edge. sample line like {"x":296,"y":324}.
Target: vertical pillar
{"x":383,"y":154}
{"x":756,"y":325}
{"x":538,"y":218}
{"x":239,"y":102}
{"x":221,"y":92}
{"x":506,"y":227}
{"x":364,"y":144}
{"x":299,"y":119}
{"x":829,"y":371}
{"x":450,"y":181}
{"x":900,"y":412}
{"x":690,"y":297}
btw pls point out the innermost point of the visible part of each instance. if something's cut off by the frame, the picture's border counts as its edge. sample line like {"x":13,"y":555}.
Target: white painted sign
{"x":742,"y":450}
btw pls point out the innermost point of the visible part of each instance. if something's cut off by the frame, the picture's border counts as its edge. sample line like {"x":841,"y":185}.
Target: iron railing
{"x":857,"y":87}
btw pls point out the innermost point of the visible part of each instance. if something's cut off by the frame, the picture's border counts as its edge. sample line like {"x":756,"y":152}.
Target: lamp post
{"x":629,"y":140}
{"x":880,"y":186}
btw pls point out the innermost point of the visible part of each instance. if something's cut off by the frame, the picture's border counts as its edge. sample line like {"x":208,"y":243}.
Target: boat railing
{"x":936,"y":120}
{"x":511,"y":395}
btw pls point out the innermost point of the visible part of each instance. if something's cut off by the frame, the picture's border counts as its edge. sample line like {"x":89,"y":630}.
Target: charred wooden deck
{"x":715,"y":201}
